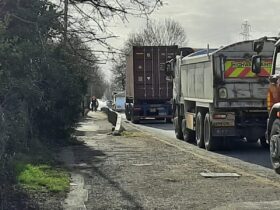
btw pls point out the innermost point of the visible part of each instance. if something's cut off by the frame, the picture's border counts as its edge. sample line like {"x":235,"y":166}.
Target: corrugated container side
{"x":146,"y":78}
{"x":129,"y":89}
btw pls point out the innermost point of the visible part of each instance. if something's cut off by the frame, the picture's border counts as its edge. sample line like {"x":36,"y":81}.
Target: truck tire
{"x":178,"y":128}
{"x":188,"y":135}
{"x":168,"y":120}
{"x":133,"y":119}
{"x":127,"y":113}
{"x":209,"y":141}
{"x":275,"y":160}
{"x":263,"y":142}
{"x":199,"y":127}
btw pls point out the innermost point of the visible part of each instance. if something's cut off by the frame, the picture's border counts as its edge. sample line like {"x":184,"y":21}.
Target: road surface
{"x":152,"y":170}
{"x":251,"y":153}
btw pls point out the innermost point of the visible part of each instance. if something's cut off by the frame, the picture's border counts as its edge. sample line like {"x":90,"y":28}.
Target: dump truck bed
{"x":227,"y":69}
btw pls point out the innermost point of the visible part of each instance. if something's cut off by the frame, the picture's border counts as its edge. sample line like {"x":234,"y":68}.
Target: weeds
{"x":41,"y":177}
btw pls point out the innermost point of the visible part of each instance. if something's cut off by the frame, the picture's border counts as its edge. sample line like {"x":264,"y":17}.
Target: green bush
{"x":43,"y":80}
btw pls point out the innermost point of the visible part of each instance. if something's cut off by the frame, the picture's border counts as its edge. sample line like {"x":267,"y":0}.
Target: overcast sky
{"x":217,"y":22}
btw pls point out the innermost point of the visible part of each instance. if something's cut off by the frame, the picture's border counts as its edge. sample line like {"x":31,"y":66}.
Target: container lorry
{"x":273,"y":97}
{"x":148,"y":93}
{"x":217,"y":97}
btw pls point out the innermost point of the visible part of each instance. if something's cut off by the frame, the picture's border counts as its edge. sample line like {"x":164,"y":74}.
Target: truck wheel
{"x":133,"y":119}
{"x":127,"y":113}
{"x":263,"y":142}
{"x":199,"y":130}
{"x":209,"y":141}
{"x":168,"y":120}
{"x":188,"y":135}
{"x":275,"y":160}
{"x":178,"y":129}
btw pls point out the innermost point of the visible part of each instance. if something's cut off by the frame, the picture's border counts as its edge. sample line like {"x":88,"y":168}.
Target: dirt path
{"x":138,"y":171}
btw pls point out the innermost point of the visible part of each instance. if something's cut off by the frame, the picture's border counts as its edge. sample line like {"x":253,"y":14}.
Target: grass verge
{"x":133,"y":134}
{"x":40,"y":172}
{"x":41,"y":178}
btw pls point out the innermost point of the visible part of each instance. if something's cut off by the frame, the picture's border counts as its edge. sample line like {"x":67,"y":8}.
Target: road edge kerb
{"x":77,"y":195}
{"x":258,"y":178}
{"x":115,"y":119}
{"x":118,"y":127}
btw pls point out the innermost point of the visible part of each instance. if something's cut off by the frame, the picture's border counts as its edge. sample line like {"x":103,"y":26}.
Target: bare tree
{"x":156,"y":33}
{"x":91,"y":18}
{"x":119,"y":71}
{"x":168,"y":32}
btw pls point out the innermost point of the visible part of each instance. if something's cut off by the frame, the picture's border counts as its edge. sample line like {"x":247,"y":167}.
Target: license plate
{"x":162,"y":113}
{"x":153,"y":110}
{"x":223,"y":123}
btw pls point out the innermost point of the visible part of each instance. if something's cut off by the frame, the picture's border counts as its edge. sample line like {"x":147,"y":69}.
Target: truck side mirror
{"x":256,"y":64}
{"x":169,"y":69}
{"x":258,"y":46}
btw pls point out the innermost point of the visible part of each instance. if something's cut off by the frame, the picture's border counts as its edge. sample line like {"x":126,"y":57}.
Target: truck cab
{"x":273,"y":99}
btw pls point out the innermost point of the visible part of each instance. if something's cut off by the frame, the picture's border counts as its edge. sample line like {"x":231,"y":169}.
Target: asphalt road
{"x":153,"y":170}
{"x":251,"y":153}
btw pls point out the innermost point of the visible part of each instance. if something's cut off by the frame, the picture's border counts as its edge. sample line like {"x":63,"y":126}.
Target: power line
{"x":246,"y":29}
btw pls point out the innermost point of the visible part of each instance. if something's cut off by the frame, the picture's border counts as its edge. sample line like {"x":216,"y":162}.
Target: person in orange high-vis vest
{"x":273,"y":95}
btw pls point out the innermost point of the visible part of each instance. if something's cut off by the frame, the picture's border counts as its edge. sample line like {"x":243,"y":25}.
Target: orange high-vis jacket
{"x":273,"y":95}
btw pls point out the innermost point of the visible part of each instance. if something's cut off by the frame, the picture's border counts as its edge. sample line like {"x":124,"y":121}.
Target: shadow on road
{"x":90,"y":163}
{"x":157,"y":124}
{"x":97,"y":168}
{"x":248,"y":152}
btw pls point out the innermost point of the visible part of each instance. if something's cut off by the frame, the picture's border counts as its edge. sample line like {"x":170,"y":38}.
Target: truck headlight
{"x":222,"y":93}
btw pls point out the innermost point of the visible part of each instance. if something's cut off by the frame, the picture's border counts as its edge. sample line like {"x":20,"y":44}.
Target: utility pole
{"x":246,"y":28}
{"x":65,"y":29}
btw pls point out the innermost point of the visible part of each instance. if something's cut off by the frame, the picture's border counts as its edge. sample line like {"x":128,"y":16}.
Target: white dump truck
{"x":216,"y":95}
